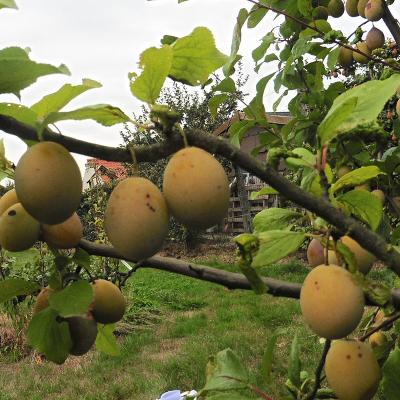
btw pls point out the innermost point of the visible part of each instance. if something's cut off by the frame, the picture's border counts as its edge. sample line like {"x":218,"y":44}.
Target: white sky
{"x":103,"y":41}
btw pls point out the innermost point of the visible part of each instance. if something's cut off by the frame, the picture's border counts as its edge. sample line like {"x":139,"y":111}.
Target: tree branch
{"x":345,"y":224}
{"x":230,"y":280}
{"x":391,"y":23}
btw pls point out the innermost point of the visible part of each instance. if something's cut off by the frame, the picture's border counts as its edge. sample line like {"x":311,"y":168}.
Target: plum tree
{"x":352,"y":370}
{"x":136,"y":218}
{"x":48,"y":182}
{"x":315,"y":253}
{"x":7,"y":200}
{"x":65,"y":235}
{"x":18,"y":230}
{"x":319,"y":297}
{"x":83,"y":331}
{"x":109,"y":303}
{"x":196,"y":188}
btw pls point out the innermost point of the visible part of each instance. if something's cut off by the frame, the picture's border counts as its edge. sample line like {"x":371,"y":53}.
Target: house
{"x":234,"y":222}
{"x":98,"y":172}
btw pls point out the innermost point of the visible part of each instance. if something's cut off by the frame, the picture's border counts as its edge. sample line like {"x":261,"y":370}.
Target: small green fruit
{"x":83,"y":331}
{"x":361,"y":58}
{"x":336,"y":8}
{"x":345,"y":58}
{"x":109,"y":303}
{"x":374,"y":10}
{"x":351,"y":8}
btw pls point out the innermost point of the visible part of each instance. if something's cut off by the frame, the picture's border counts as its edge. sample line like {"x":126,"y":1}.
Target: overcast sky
{"x":103,"y":41}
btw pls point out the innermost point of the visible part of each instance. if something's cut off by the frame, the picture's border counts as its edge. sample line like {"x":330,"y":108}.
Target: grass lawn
{"x":179,"y":322}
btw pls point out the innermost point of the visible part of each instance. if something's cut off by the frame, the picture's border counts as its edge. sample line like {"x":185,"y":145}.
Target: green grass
{"x":180,"y":323}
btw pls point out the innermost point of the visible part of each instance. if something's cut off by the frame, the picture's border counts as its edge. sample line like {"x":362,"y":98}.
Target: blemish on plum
{"x":150,"y":207}
{"x":359,"y":355}
{"x":147,"y":196}
{"x":348,"y":356}
{"x":12,"y":213}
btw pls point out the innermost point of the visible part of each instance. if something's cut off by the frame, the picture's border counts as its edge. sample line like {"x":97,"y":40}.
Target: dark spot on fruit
{"x":12,"y":213}
{"x":191,"y":166}
{"x":147,"y":196}
{"x":348,"y":356}
{"x":117,"y":196}
{"x":316,"y":283}
{"x":150,"y":207}
{"x":37,"y":169}
{"x":359,"y":355}
{"x":219,"y":187}
{"x":174,"y":174}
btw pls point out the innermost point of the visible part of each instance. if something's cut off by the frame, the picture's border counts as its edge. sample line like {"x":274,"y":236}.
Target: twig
{"x":318,"y":371}
{"x":387,"y":322}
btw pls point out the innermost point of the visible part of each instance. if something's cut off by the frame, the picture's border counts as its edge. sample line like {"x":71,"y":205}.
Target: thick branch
{"x":230,"y":280}
{"x":391,"y":23}
{"x":345,"y":225}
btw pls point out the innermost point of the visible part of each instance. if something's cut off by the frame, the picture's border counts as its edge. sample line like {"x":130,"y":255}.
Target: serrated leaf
{"x":56,"y":101}
{"x":274,"y":218}
{"x":12,"y":287}
{"x":156,"y":65}
{"x":357,"y":109}
{"x":391,"y":376}
{"x":106,"y":341}
{"x":49,"y":336}
{"x":215,"y":102}
{"x":236,"y":39}
{"x":8,"y":4}
{"x":225,"y":372}
{"x":275,"y":245}
{"x":195,"y":57}
{"x":17,"y":71}
{"x":363,"y":205}
{"x":104,"y":114}
{"x":294,"y":367}
{"x":262,"y":192}
{"x":75,"y":299}
{"x":356,"y":177}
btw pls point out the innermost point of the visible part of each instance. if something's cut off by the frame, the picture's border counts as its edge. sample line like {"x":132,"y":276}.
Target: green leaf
{"x":238,"y":130}
{"x":305,"y":158}
{"x":17,"y":71}
{"x":56,"y":101}
{"x":8,"y":4}
{"x":227,"y":396}
{"x":156,"y":65}
{"x":105,"y":340}
{"x":363,"y":205}
{"x":275,"y":245}
{"x":267,"y":360}
{"x":356,"y":177}
{"x":19,"y":112}
{"x":75,"y":299}
{"x":195,"y":57}
{"x":49,"y":336}
{"x":274,"y":218}
{"x":333,"y":58}
{"x":104,"y":114}
{"x":305,"y":7}
{"x":391,"y":376}
{"x":12,"y":287}
{"x":255,"y":280}
{"x":225,"y":372}
{"x":357,"y":109}
{"x":256,"y":15}
{"x":259,"y":52}
{"x":226,"y":85}
{"x":255,"y":109}
{"x":294,"y":367}
{"x":215,"y":102}
{"x":82,"y":258}
{"x":22,"y":258}
{"x":236,"y":39}
{"x":262,"y":192}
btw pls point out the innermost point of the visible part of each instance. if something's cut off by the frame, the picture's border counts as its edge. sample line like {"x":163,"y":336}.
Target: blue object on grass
{"x":171,"y":395}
